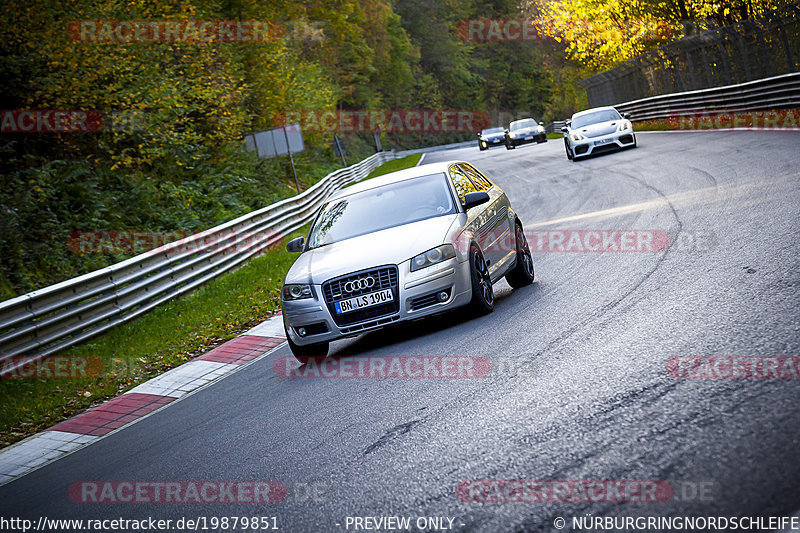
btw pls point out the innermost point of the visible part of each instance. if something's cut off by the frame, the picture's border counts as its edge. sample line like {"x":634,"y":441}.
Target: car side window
{"x":461,"y":182}
{"x":481,"y":182}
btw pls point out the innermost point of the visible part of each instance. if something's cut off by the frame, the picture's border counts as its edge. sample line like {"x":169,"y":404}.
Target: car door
{"x":499,"y":241}
{"x":478,"y":220}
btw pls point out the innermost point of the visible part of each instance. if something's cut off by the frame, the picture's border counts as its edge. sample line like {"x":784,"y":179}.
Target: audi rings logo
{"x":359,"y":284}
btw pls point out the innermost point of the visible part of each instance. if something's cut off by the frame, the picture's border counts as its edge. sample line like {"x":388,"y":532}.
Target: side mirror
{"x":564,"y":129}
{"x":505,"y":131}
{"x":478,"y":134}
{"x":541,"y":123}
{"x":473,"y":199}
{"x":626,"y":115}
{"x":295,"y":245}
{"x":568,"y":122}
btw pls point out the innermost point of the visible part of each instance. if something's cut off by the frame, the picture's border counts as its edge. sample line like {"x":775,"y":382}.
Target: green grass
{"x":168,"y":336}
{"x":395,"y":165}
{"x":555,"y":136}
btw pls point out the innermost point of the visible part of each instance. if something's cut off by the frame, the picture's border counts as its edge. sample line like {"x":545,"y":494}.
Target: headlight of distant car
{"x":577,"y":136}
{"x":623,"y":126}
{"x":297,"y":291}
{"x":433,"y":256}
{"x":541,"y":129}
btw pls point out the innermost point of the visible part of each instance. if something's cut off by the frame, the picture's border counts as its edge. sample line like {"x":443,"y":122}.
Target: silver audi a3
{"x":400,"y":247}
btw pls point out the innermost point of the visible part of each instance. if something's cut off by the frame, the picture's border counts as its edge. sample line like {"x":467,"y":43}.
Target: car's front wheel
{"x":522,"y":274}
{"x":510,"y":145}
{"x":569,"y":152}
{"x":482,"y":291}
{"x":309,"y":351}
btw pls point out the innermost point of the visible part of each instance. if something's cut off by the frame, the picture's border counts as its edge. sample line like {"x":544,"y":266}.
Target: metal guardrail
{"x":42,"y":322}
{"x":453,"y":146}
{"x":777,"y":92}
{"x":554,"y":127}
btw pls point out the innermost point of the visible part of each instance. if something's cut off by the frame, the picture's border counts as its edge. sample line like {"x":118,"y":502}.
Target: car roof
{"x":394,"y":177}
{"x":523,"y":119}
{"x":592,"y":110}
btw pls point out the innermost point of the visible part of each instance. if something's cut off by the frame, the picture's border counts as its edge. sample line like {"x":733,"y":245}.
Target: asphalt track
{"x":578,"y":388}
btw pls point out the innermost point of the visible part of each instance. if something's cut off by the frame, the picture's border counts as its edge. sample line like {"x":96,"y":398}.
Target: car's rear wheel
{"x":307,"y":352}
{"x":510,"y":145}
{"x":522,"y":274}
{"x":482,"y":292}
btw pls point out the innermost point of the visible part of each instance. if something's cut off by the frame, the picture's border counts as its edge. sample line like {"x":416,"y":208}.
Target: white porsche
{"x":597,"y":130}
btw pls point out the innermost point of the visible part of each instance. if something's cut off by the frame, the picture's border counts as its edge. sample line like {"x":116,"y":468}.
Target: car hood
{"x":389,"y":246}
{"x":493,"y":136}
{"x":601,"y":128}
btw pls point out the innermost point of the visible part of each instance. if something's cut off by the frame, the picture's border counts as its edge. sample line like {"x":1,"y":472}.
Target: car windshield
{"x":489,"y":131}
{"x":380,"y":208}
{"x":596,"y":117}
{"x":521,"y":124}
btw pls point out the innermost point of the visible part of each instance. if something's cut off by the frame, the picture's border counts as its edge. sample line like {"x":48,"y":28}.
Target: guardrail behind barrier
{"x":45,"y":321}
{"x":777,"y":92}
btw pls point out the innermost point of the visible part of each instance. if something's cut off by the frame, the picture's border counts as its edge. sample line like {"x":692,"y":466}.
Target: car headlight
{"x":541,"y":129}
{"x":297,"y":291}
{"x":624,"y":126}
{"x":433,"y":256}
{"x":577,"y":136}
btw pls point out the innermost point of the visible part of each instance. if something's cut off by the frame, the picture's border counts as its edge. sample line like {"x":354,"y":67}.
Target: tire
{"x":510,"y":145}
{"x":308,"y":352}
{"x":481,"y":148}
{"x":522,"y":274}
{"x":482,"y":292}
{"x":634,"y":142}
{"x":569,"y":153}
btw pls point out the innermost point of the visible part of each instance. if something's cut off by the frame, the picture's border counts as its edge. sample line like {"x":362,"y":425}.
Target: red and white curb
{"x":124,"y":410}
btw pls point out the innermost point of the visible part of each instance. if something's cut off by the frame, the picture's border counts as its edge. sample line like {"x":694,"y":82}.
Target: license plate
{"x":603,"y":141}
{"x":365,"y":300}
{"x":528,"y":137}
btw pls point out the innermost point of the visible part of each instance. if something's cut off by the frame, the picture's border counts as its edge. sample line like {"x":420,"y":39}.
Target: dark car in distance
{"x":491,"y":137}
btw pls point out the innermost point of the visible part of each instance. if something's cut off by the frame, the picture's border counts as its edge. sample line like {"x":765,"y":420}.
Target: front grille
{"x":420,"y":302}
{"x":385,"y":278}
{"x":610,"y":147}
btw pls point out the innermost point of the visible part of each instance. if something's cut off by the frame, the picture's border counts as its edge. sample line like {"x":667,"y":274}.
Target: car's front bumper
{"x":533,"y":137}
{"x":604,"y":143}
{"x":488,"y":143}
{"x":315,"y":317}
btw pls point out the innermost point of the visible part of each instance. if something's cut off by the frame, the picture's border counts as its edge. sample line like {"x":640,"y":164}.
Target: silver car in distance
{"x":400,"y":247}
{"x":597,"y":130}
